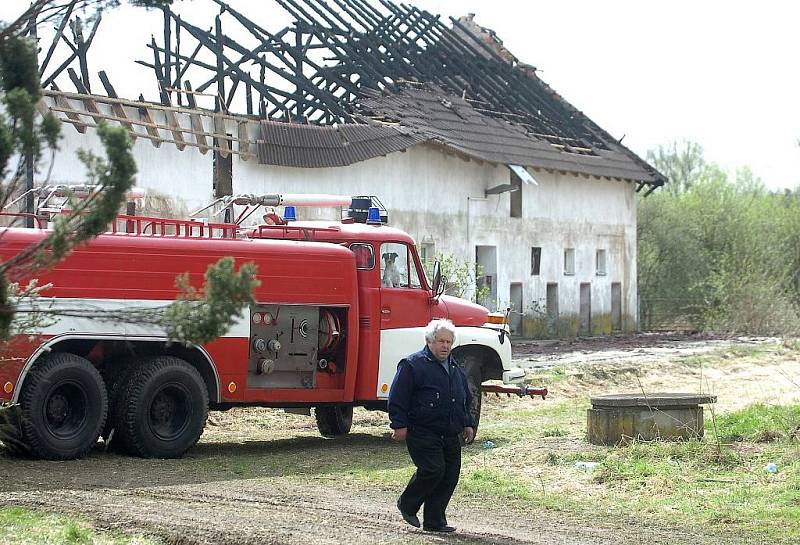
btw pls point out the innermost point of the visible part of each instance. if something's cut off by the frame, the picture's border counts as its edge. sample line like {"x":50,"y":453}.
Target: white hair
{"x":435,"y":326}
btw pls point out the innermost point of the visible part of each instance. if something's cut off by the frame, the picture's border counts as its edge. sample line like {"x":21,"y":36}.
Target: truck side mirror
{"x":438,"y":283}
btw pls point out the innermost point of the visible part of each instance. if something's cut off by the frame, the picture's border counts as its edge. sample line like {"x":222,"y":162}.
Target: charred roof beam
{"x":208,"y":41}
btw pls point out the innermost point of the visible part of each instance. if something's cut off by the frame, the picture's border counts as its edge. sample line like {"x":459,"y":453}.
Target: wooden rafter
{"x":156,"y":132}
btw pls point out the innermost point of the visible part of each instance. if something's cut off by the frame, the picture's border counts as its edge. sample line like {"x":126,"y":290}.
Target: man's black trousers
{"x":438,"y":461}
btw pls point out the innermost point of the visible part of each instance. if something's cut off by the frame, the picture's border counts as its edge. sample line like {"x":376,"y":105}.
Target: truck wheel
{"x":334,"y":421}
{"x":162,"y":410}
{"x":473,"y":368}
{"x":64,"y":407}
{"x":116,"y":376}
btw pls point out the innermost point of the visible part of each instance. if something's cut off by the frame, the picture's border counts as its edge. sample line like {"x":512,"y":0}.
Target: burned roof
{"x":457,"y":124}
{"x":429,"y":114}
{"x":355,"y":62}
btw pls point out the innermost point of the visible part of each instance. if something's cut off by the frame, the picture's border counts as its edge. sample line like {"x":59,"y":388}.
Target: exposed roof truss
{"x":315,"y":69}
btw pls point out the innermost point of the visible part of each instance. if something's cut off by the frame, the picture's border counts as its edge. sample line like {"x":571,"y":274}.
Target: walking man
{"x":429,"y":409}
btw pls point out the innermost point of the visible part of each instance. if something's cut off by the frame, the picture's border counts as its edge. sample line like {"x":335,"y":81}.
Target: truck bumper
{"x":515,"y":375}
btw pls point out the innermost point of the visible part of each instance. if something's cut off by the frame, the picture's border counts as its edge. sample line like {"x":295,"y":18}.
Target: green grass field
{"x":20,"y":526}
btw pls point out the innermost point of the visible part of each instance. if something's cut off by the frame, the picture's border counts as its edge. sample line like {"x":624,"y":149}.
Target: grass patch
{"x":731,"y":353}
{"x":492,"y":486}
{"x":696,"y":481}
{"x":792,"y":345}
{"x":722,"y":486}
{"x":547,"y":376}
{"x":758,"y":424}
{"x":24,"y":527}
{"x":544,"y":414}
{"x":701,"y":360}
{"x":544,"y":419}
{"x":494,"y":482}
{"x":747,"y":350}
{"x":554,"y":432}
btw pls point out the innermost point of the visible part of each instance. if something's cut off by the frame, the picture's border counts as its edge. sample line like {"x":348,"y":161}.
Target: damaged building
{"x":465,"y":146}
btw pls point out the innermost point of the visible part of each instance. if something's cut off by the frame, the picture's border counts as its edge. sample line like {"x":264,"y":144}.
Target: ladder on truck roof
{"x":123,"y":224}
{"x":144,"y":226}
{"x":133,"y":225}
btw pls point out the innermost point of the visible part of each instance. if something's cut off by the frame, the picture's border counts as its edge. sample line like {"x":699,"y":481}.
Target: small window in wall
{"x":223,"y":174}
{"x":223,"y":170}
{"x":600,"y":262}
{"x":569,"y":260}
{"x":427,"y":253}
{"x":536,"y":260}
{"x":516,"y":196}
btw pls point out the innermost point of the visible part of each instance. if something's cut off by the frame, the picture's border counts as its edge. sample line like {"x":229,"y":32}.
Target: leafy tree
{"x":682,"y":163}
{"x":717,"y":253}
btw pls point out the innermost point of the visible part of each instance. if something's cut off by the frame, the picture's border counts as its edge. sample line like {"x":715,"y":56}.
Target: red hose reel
{"x":330,"y":330}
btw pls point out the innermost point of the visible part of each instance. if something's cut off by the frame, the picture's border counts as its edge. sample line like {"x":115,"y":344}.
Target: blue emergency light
{"x":290,"y":214}
{"x":373,"y":216}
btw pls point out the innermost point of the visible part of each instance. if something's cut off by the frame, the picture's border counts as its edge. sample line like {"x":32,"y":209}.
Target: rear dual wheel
{"x":161,"y":409}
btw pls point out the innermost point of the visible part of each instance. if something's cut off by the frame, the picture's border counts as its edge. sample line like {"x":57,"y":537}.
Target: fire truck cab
{"x":339,"y":304}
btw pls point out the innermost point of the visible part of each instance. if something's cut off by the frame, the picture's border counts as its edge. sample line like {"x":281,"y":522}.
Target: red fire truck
{"x":339,"y":304}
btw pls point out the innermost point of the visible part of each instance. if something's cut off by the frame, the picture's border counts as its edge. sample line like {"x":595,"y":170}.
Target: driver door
{"x":405,"y":310}
{"x":405,"y":303}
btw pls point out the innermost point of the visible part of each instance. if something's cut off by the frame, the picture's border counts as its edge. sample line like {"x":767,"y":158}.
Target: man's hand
{"x":469,"y":435}
{"x":399,"y":434}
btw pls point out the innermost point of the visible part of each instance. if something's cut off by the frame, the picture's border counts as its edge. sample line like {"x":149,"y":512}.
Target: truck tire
{"x":63,"y":406}
{"x":116,"y":377}
{"x":161,"y":410}
{"x":334,"y":421}
{"x":473,"y":368}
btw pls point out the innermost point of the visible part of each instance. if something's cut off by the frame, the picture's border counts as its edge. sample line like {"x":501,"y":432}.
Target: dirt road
{"x":262,"y":476}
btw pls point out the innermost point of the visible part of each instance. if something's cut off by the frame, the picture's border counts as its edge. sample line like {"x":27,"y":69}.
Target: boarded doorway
{"x":515,"y":298}
{"x":586,"y":308}
{"x":486,"y":275}
{"x":616,"y":306}
{"x":552,"y":307}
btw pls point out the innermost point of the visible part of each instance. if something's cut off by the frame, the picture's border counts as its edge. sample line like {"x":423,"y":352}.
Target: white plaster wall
{"x":566,"y":211}
{"x":186,"y":175}
{"x":430,"y":194}
{"x":437,"y":197}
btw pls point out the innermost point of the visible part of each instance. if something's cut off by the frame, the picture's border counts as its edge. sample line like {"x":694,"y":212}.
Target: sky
{"x":723,"y":74}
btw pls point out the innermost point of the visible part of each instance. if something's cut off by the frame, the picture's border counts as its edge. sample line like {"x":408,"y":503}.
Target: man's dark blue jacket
{"x":424,"y":395}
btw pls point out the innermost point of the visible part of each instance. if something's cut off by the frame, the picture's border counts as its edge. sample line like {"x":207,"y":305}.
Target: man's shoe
{"x":408,"y":517}
{"x":442,"y":529}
